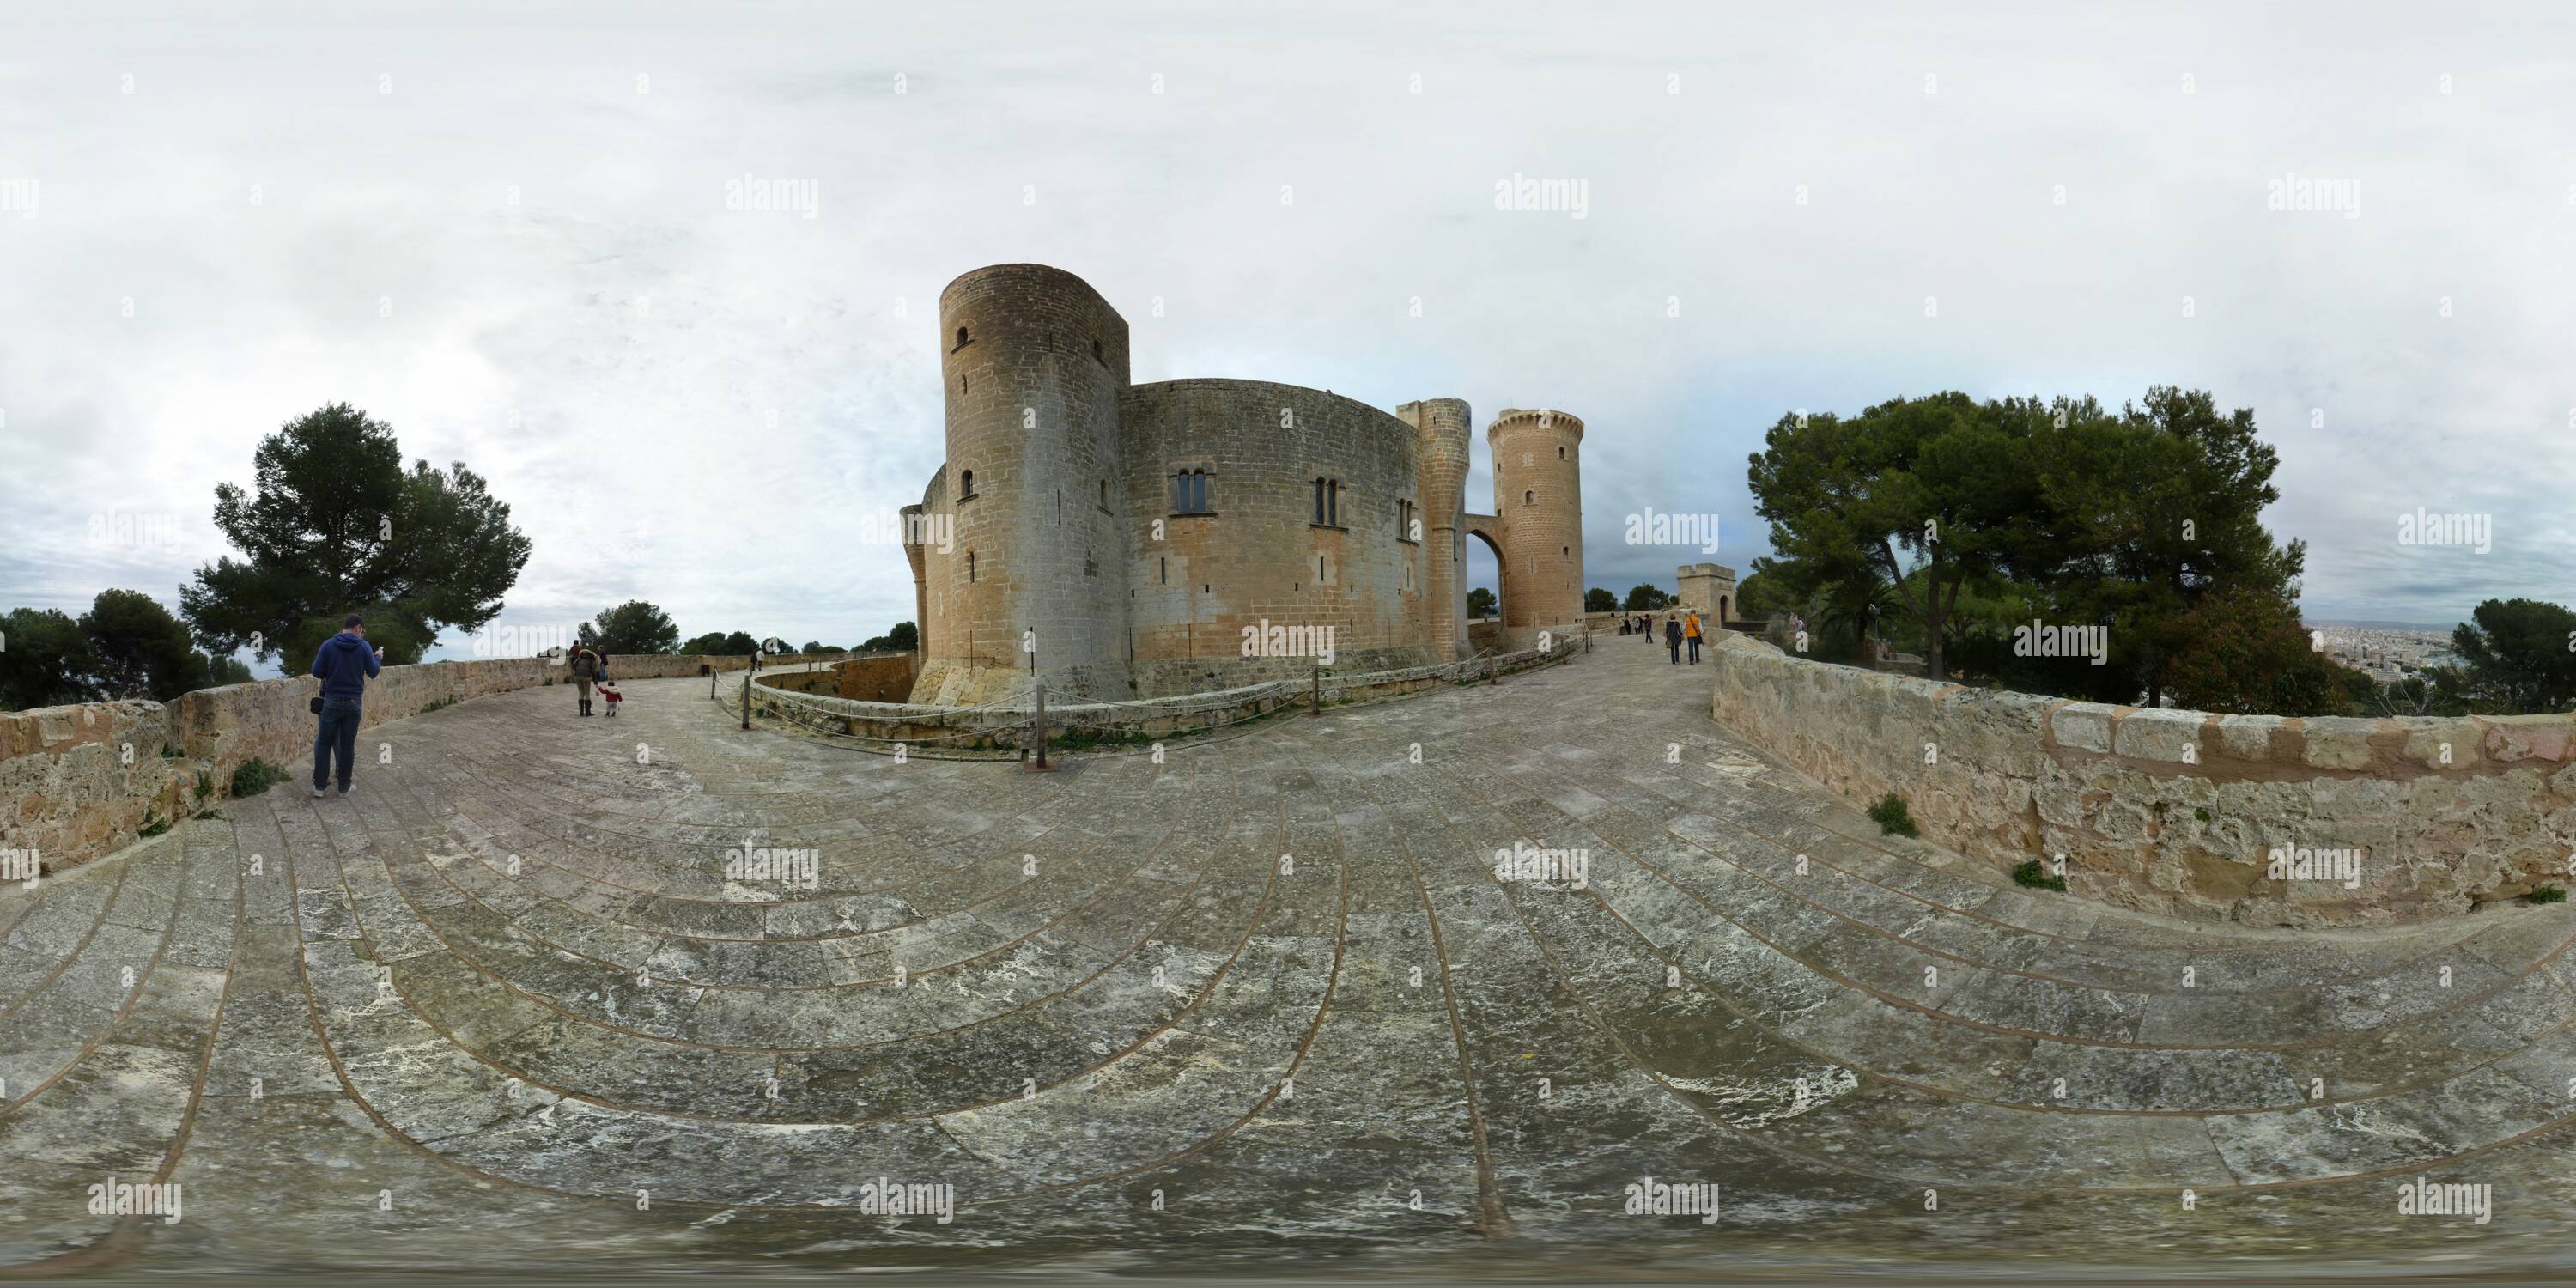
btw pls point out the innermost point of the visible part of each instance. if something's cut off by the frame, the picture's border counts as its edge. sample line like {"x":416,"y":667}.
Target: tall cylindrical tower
{"x":1034,"y":361}
{"x":1445,"y":428}
{"x":1538,"y":495}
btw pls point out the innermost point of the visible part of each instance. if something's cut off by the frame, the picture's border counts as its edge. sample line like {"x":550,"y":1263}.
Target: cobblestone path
{"x":505,"y":1009}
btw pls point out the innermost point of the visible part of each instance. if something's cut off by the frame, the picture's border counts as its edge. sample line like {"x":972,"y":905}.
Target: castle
{"x":1122,"y":540}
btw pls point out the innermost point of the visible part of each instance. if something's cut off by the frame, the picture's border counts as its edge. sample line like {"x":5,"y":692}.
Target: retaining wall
{"x":2181,"y":812}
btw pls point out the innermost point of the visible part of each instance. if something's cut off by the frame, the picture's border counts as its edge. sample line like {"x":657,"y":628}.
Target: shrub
{"x":2029,"y":873}
{"x":205,"y":784}
{"x":2548,"y":894}
{"x":255,"y":776}
{"x":1891,"y":816}
{"x":154,"y":824}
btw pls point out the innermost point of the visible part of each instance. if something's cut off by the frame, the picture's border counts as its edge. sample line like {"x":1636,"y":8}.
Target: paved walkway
{"x":504,"y":1009}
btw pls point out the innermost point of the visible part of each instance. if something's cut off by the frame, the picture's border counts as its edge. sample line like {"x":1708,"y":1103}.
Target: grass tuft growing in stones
{"x":1892,"y":817}
{"x":154,"y":824}
{"x":255,"y":776}
{"x":2029,"y":873}
{"x":2548,"y":894}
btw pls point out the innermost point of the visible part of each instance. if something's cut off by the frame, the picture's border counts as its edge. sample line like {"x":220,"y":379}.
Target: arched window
{"x":1328,"y":502}
{"x":1097,"y":355}
{"x":1190,"y":492}
{"x":962,"y":341}
{"x":965,"y":485}
{"x":1529,"y":498}
{"x":1567,"y":552}
{"x":1560,"y":453}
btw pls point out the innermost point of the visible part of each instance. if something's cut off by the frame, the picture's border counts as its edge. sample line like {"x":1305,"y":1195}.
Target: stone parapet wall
{"x":78,"y":782}
{"x":2181,"y":812}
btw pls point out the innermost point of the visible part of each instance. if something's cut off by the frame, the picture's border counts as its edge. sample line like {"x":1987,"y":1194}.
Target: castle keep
{"x":1136,"y":540}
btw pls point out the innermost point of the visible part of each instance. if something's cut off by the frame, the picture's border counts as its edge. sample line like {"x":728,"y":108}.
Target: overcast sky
{"x":508,"y":236}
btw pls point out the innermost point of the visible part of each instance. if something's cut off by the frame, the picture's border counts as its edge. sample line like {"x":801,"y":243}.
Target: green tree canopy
{"x":332,"y":524}
{"x":1645,"y":599}
{"x":138,"y":650}
{"x":2244,"y":653}
{"x":1482,"y":602}
{"x":903,"y":638}
{"x":2518,"y":656}
{"x":632,"y":627}
{"x":1939,"y":484}
{"x":44,"y":660}
{"x":1598,"y":600}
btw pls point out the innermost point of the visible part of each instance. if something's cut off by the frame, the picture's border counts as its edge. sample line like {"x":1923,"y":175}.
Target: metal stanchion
{"x":746,"y":699}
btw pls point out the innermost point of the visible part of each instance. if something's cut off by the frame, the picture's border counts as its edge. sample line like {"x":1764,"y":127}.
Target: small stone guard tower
{"x":1710,"y":588}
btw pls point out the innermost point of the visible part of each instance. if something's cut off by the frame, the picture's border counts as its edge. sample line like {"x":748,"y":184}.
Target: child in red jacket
{"x":608,"y":689}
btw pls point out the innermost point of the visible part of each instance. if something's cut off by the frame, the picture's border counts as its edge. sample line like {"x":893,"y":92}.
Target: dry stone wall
{"x":2184,"y":812}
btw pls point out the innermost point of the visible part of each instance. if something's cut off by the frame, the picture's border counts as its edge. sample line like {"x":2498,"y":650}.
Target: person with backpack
{"x":1691,"y":632}
{"x":585,"y":669}
{"x":344,"y":665}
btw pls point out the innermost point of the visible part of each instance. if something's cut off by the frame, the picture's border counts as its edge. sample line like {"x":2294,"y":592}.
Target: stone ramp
{"x":508,"y":1007}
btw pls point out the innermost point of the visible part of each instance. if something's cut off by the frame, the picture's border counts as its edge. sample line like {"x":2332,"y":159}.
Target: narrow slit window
{"x":965,"y":485}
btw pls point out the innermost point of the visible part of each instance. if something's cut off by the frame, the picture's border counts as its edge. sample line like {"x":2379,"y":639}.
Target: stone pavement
{"x":1267,"y":1003}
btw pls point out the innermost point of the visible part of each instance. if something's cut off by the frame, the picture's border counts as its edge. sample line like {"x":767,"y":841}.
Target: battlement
{"x":1536,"y":418}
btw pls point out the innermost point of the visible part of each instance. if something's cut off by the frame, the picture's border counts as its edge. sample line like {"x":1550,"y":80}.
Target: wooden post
{"x":746,"y":699}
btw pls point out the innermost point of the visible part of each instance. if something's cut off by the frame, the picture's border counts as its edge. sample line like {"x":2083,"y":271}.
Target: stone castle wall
{"x":1260,"y":557}
{"x":2178,"y":812}
{"x":78,"y":782}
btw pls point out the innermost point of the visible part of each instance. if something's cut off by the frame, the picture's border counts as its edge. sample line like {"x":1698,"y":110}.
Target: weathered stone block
{"x":2159,"y":735}
{"x":2084,"y":726}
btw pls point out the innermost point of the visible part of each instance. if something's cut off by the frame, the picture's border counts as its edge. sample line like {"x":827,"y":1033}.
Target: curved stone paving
{"x":1267,"y":999}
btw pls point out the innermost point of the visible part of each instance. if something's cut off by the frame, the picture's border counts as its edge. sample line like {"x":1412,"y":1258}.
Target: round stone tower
{"x":1445,"y":428}
{"x":1033,"y":361}
{"x":1538,"y":496}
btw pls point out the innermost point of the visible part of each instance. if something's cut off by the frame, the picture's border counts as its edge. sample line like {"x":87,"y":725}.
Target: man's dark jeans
{"x":1694,"y":647}
{"x":338,"y":737}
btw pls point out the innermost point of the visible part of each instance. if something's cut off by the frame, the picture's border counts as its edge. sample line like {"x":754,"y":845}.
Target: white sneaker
{"x":348,"y":789}
{"x":320,"y":792}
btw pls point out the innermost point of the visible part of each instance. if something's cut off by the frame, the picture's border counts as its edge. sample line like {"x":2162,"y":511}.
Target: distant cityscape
{"x":2387,"y":651}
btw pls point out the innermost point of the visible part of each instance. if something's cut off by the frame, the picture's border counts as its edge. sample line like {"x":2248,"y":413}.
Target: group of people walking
{"x":1679,"y":631}
{"x":345,"y":663}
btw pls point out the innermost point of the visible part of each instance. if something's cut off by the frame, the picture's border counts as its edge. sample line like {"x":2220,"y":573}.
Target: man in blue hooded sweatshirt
{"x":345,"y":664}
